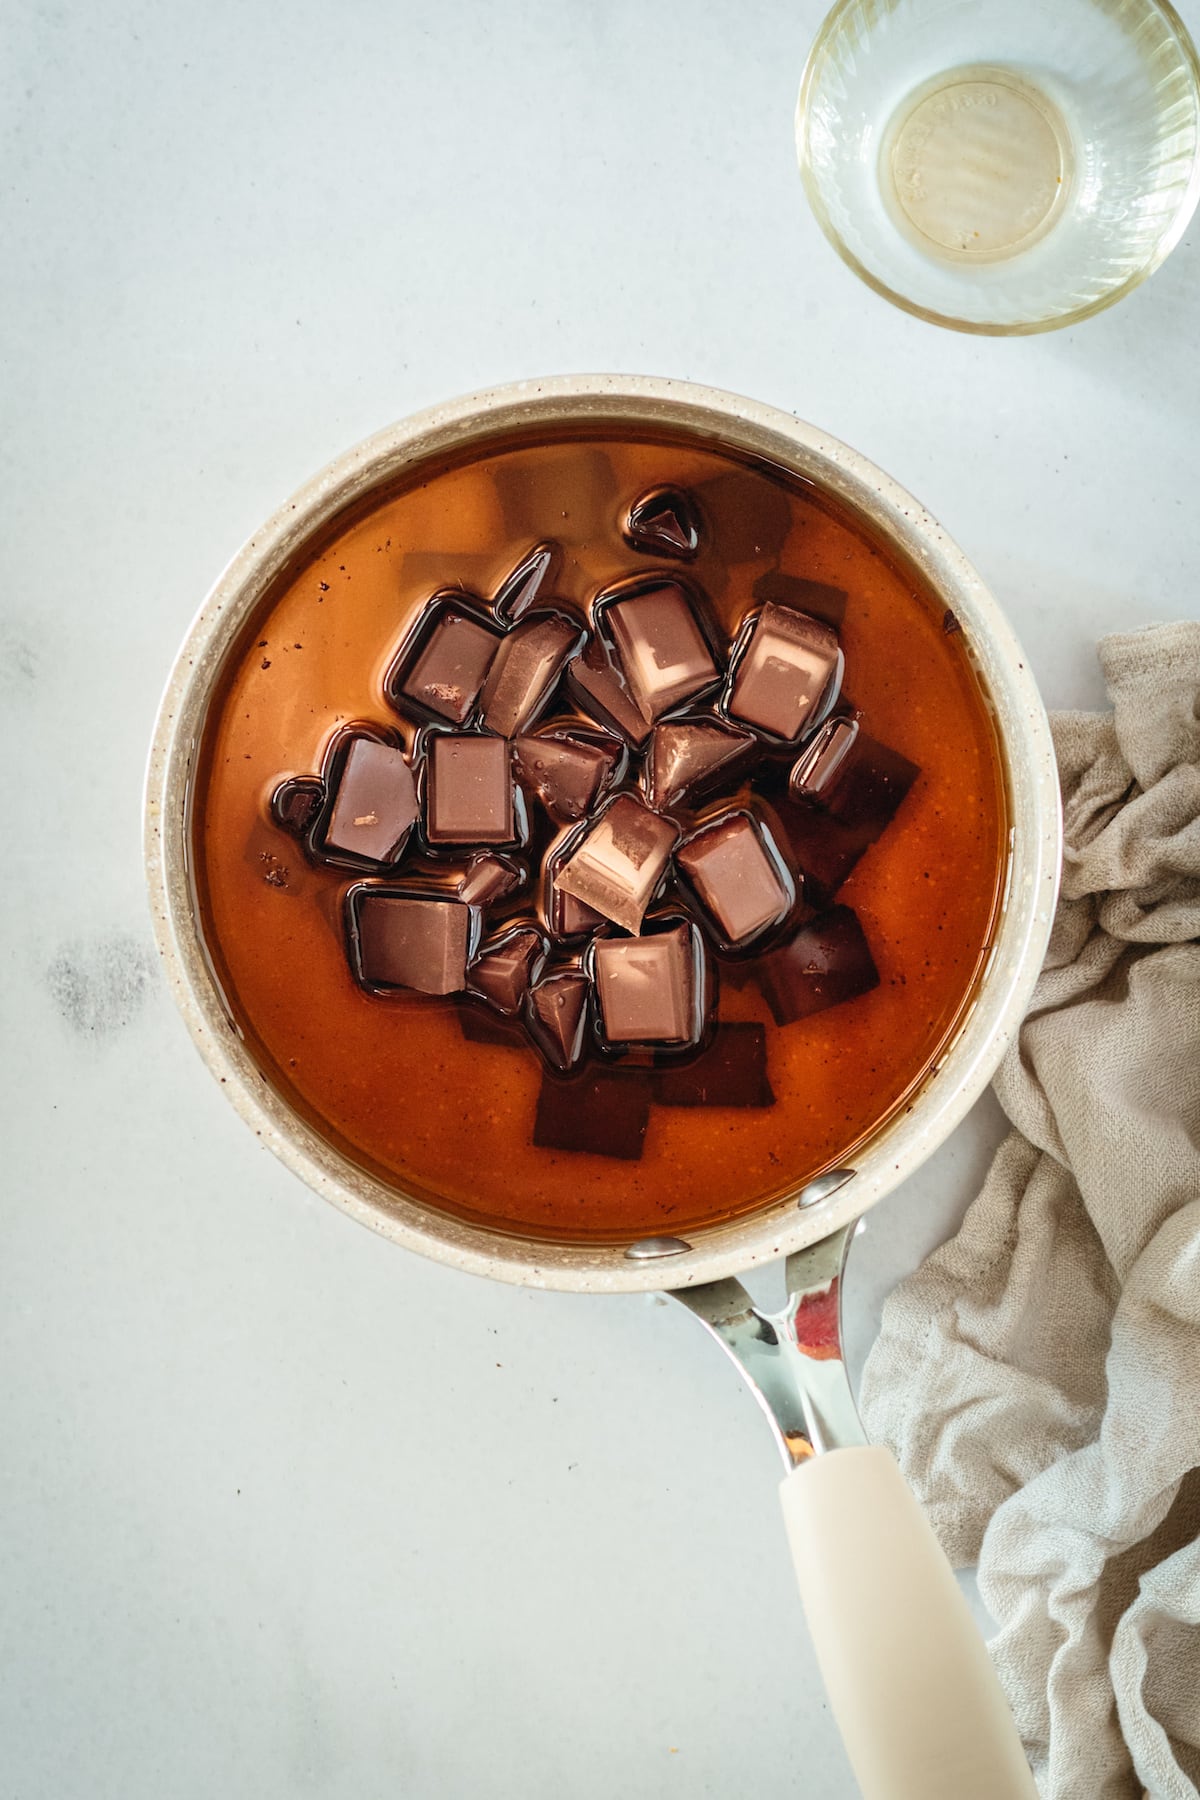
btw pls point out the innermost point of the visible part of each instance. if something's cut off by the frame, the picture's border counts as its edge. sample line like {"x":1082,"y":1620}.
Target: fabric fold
{"x":1039,"y":1376}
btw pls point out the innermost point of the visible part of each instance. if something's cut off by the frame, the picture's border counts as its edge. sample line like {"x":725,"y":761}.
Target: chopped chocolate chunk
{"x":818,"y":765}
{"x":520,"y":589}
{"x":505,"y":966}
{"x":786,"y":674}
{"x":556,"y":1013}
{"x":580,"y":485}
{"x":827,"y":962}
{"x":663,"y":650}
{"x":686,"y":757}
{"x":403,"y":941}
{"x":443,"y":663}
{"x":488,"y":878}
{"x":600,"y":1113}
{"x":375,"y":803}
{"x":812,"y":597}
{"x":870,"y":785}
{"x":296,"y":803}
{"x":565,"y":771}
{"x":619,"y":861}
{"x":664,"y":520}
{"x":468,"y":791}
{"x":748,"y":519}
{"x":565,"y":917}
{"x":824,"y":850}
{"x":648,"y":987}
{"x":598,"y":686}
{"x":528,"y":664}
{"x":731,"y":1071}
{"x":738,"y":876}
{"x":480,"y":1025}
{"x":854,"y":812}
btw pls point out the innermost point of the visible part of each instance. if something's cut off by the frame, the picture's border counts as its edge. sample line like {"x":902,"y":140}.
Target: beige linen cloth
{"x":1039,"y":1377}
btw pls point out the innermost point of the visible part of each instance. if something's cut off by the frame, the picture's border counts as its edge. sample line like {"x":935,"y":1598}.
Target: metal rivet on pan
{"x":646,"y":1249}
{"x":821,"y":1186}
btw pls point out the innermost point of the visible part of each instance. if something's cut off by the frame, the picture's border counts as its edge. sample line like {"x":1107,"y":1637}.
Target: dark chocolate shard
{"x":870,"y":785}
{"x":534,"y":487}
{"x":556,"y":1015}
{"x":521,"y":587}
{"x":619,"y":861}
{"x":816,"y":598}
{"x":786,"y":673}
{"x":480,"y":1025}
{"x":748,"y":518}
{"x":565,"y":770}
{"x":663,"y":521}
{"x":664,"y":653}
{"x":488,"y":878}
{"x":827,"y":963}
{"x":815,"y":770}
{"x":741,"y":883}
{"x":374,"y":805}
{"x":600,"y":1113}
{"x":686,"y":758}
{"x":827,"y":842}
{"x":597,"y":684}
{"x":526,"y":669}
{"x":469,"y":796}
{"x":731,"y":1071}
{"x":651,"y":989}
{"x":566,"y":918}
{"x":296,"y":803}
{"x":443,"y":662}
{"x":404,"y":940}
{"x":505,"y":966}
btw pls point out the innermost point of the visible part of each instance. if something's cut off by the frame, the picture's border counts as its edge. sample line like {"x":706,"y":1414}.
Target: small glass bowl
{"x":1001,"y":166}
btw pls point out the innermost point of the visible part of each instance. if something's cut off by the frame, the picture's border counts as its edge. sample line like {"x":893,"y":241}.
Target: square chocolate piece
{"x":663,"y":651}
{"x":375,"y":806}
{"x":596,"y":1114}
{"x":620,"y":861}
{"x":731,"y":1071}
{"x":442,"y":673}
{"x":736,"y":873}
{"x":401,"y":941}
{"x":647,"y":988}
{"x":525,"y":672}
{"x":468,"y":790}
{"x":788,"y":674}
{"x":827,"y":962}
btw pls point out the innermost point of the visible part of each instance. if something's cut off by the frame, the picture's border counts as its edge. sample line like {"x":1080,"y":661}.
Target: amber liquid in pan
{"x":393,"y":1082}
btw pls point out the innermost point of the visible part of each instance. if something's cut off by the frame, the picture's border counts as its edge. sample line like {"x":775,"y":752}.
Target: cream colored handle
{"x":909,"y":1679}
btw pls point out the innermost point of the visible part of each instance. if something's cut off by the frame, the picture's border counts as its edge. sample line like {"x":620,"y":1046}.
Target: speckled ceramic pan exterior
{"x":618,"y":401}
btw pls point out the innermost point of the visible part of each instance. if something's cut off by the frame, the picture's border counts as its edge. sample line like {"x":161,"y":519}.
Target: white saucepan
{"x":908,"y":1676}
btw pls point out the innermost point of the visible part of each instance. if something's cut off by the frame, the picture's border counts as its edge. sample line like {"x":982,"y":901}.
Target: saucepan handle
{"x":909,"y":1678}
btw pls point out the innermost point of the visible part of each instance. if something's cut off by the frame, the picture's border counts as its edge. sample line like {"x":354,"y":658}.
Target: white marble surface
{"x":282,"y":1511}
